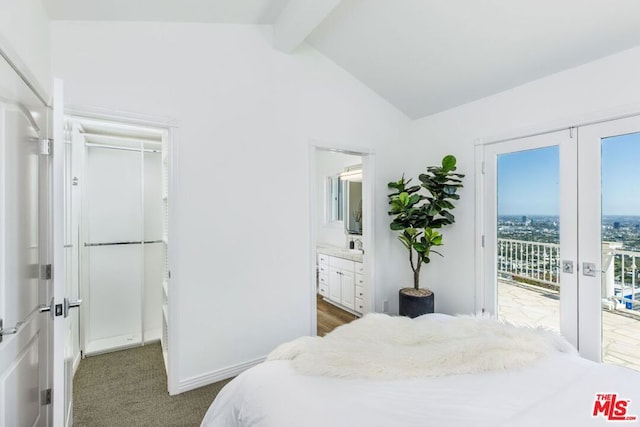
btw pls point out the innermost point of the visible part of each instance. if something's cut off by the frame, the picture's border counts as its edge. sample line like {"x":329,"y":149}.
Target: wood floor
{"x":330,"y":317}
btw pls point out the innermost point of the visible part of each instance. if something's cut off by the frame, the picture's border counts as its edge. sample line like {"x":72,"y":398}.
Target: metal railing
{"x":621,"y":275}
{"x":539,"y":263}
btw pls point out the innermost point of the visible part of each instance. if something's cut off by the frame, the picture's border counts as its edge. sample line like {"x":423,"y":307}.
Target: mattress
{"x":560,"y":389}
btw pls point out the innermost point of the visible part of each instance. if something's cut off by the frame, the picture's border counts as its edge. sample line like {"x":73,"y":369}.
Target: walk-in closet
{"x":121,"y":172}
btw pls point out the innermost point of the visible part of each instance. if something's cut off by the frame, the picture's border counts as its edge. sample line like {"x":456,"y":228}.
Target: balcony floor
{"x":530,"y":305}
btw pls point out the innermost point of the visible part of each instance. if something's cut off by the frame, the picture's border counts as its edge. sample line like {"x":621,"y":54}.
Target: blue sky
{"x":528,"y":181}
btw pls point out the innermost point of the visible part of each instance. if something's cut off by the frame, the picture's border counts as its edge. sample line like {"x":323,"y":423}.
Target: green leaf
{"x":410,"y":232}
{"x":406,"y":242}
{"x":449,"y":163}
{"x":420,"y":247}
{"x":450,"y":189}
{"x":404,"y":198}
{"x":448,"y":216}
{"x":397,"y":226}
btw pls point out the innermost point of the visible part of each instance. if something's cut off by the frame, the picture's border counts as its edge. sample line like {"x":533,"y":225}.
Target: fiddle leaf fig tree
{"x":418,"y":210}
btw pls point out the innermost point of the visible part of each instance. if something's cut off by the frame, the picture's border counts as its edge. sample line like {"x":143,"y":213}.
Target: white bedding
{"x":557,"y":390}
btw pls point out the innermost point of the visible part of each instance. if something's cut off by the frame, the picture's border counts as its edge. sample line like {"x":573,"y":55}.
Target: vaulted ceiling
{"x":423,"y":56}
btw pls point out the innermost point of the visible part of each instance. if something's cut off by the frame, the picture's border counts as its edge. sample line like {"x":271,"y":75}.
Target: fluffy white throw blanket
{"x":379,"y":346}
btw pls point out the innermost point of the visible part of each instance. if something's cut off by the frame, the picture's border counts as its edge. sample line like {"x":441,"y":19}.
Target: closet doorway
{"x":118,"y":231}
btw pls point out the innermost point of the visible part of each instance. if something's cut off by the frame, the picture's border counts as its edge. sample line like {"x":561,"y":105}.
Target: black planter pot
{"x":415,"y":305}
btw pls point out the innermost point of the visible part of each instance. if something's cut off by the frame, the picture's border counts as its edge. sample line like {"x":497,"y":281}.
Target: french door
{"x":561,"y":230}
{"x":609,"y":243}
{"x":530,"y":227}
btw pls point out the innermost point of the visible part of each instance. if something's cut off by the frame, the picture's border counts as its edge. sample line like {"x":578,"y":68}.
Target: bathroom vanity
{"x":341,"y":278}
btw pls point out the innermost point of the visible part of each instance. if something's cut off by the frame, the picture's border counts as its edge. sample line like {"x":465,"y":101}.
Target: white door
{"x":24,"y":253}
{"x":585,"y":280}
{"x":609,"y":243}
{"x":529,"y":212}
{"x":62,"y":371}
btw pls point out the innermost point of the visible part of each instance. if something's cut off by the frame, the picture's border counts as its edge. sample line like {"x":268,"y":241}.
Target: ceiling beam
{"x":297,"y":20}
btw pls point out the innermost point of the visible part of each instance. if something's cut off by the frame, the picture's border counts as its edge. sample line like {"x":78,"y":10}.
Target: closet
{"x":123,"y":238}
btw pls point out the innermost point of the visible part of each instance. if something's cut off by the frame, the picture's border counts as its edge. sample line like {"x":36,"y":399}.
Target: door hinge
{"x":46,"y":397}
{"x":482,"y":168}
{"x":46,"y":146}
{"x":571,"y":132}
{"x":482,"y":241}
{"x":46,"y":272}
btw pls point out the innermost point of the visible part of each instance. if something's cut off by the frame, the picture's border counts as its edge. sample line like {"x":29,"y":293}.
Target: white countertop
{"x":340,"y":252}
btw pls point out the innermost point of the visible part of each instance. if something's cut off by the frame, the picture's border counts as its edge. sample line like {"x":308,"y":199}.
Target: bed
{"x":435,"y":370}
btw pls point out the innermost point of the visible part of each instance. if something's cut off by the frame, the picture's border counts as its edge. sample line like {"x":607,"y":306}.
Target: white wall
{"x":246,"y":114}
{"x":330,"y":163}
{"x":607,"y":84}
{"x":24,"y":32}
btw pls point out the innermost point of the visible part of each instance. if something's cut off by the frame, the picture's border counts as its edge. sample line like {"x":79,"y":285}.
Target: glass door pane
{"x":530,"y":232}
{"x":620,"y":231}
{"x":528,"y":250}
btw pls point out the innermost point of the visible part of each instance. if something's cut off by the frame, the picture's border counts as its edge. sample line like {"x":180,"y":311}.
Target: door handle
{"x":43,"y":308}
{"x":589,"y":269}
{"x":55,"y":310}
{"x":69,"y":305}
{"x":567,"y":266}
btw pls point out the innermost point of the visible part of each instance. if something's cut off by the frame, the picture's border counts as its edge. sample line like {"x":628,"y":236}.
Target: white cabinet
{"x":335,"y":285}
{"x":347,"y":288}
{"x":340,"y":283}
{"x":323,"y":276}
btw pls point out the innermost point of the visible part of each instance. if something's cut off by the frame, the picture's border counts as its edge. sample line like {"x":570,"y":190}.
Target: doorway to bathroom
{"x":342,"y":237}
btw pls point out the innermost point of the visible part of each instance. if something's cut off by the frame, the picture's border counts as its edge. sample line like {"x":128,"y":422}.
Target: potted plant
{"x":418,"y":211}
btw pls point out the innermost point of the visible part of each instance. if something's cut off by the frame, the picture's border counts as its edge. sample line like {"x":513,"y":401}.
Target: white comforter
{"x":558,"y":390}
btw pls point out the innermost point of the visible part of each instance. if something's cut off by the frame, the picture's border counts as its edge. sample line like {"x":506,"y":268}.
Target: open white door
{"x":25,"y":285}
{"x":62,"y":348}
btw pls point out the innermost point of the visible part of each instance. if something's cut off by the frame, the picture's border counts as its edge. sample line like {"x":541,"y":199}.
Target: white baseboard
{"x":218,"y":375}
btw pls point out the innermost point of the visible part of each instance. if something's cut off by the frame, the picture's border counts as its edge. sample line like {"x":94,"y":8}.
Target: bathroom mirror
{"x":352,"y":177}
{"x":353,"y":207}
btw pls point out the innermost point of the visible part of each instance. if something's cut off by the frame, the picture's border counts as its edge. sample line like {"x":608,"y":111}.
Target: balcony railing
{"x":539,"y":264}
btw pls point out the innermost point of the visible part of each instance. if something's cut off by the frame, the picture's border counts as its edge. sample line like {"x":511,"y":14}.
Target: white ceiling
{"x":218,"y":11}
{"x":423,"y":56}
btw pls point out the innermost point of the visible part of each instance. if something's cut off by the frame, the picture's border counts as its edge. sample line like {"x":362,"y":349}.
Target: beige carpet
{"x":129,"y":388}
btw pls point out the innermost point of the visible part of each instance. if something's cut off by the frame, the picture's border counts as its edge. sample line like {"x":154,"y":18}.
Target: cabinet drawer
{"x":359,"y":280}
{"x":359,"y":292}
{"x":323,"y":279}
{"x":359,"y":305}
{"x":359,"y":267}
{"x":323,"y":269}
{"x":323,"y":258}
{"x":323,"y":290}
{"x":341,"y":264}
